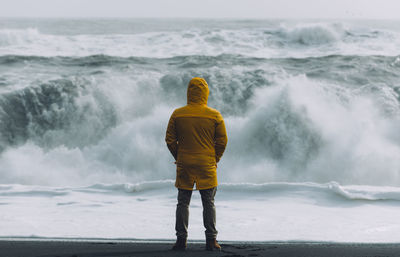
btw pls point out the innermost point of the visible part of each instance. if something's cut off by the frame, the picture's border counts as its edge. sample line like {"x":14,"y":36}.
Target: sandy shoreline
{"x":125,"y":248}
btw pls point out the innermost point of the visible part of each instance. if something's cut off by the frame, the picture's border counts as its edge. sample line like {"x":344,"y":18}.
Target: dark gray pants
{"x":182,"y":212}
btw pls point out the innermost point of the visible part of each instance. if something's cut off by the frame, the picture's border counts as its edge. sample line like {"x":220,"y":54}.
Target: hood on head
{"x":198,"y":91}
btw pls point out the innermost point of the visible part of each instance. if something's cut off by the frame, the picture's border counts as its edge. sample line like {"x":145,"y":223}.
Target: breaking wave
{"x":315,"y":34}
{"x":10,"y":37}
{"x":331,"y":191}
{"x":93,"y":108}
{"x":58,"y":112}
{"x":263,"y":39}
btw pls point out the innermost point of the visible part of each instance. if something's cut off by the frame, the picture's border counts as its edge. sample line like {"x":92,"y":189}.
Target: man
{"x":196,"y":137}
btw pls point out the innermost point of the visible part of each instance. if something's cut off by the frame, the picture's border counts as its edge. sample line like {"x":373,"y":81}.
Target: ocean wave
{"x":132,"y":188}
{"x":50,"y":112}
{"x":369,"y":193}
{"x":314,"y":34}
{"x":289,"y":119}
{"x":12,"y":37}
{"x":307,"y":189}
{"x":198,"y":61}
{"x":328,"y":191}
{"x":304,"y":39}
{"x":83,"y":117}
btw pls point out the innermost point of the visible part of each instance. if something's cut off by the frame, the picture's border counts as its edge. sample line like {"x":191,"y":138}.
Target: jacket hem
{"x":205,"y":188}
{"x":184,"y":188}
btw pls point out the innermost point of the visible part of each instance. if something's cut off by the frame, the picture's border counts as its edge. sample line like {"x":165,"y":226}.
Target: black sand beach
{"x":61,"y":248}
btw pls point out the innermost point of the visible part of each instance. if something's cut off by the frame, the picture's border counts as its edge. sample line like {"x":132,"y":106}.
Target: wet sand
{"x":63,"y":248}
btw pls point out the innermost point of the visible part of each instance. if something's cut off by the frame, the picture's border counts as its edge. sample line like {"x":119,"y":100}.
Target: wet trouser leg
{"x":209,"y":216}
{"x":182,"y":212}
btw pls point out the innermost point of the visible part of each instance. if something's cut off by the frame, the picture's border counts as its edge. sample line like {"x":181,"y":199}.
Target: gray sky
{"x":369,"y":9}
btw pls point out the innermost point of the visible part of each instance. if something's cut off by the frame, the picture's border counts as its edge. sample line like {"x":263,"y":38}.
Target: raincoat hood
{"x":198,"y":91}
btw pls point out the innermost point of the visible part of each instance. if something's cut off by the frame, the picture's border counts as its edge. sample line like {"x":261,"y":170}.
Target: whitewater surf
{"x":312,"y":110}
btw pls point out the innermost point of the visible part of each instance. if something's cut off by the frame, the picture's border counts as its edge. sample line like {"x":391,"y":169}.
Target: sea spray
{"x":293,"y":130}
{"x":299,"y":114}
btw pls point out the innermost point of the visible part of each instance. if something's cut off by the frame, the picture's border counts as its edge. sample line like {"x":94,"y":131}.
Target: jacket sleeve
{"x":220,"y":138}
{"x":171,"y":138}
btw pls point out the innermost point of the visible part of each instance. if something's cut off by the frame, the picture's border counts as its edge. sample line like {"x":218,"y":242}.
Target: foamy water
{"x":312,"y":111}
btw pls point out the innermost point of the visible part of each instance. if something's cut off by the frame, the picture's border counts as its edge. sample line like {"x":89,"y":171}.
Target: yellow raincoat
{"x":196,"y":137}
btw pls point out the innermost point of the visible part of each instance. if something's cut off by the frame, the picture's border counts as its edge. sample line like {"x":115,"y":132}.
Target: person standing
{"x":196,"y":137}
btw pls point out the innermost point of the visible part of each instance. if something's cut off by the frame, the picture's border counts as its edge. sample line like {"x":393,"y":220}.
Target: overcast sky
{"x":369,"y":9}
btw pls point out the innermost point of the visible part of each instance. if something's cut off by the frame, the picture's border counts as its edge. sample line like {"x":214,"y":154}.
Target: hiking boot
{"x":180,"y":244}
{"x":212,"y":244}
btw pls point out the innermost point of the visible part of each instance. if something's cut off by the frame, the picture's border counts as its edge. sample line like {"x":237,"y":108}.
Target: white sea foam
{"x":314,"y":34}
{"x":19,"y":37}
{"x":304,"y":131}
{"x":331,"y":191}
{"x":301,"y":40}
{"x":272,"y":211}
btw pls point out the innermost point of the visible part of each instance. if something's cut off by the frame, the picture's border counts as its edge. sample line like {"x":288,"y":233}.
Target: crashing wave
{"x":11,"y":37}
{"x":58,"y":112}
{"x":314,"y":34}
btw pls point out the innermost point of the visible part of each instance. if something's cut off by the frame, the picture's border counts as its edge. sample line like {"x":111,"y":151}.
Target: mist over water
{"x":302,"y":102}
